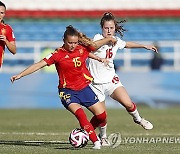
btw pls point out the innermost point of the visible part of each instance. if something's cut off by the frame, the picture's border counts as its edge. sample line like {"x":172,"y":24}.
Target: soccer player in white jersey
{"x":106,"y":80}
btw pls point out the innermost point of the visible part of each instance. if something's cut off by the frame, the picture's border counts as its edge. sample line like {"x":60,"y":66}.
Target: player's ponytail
{"x":83,"y":39}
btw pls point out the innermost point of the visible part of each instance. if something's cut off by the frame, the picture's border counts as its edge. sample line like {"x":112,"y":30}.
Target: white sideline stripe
{"x":39,"y":142}
{"x":149,"y":134}
{"x":32,"y":133}
{"x":58,"y":134}
{"x":46,"y":141}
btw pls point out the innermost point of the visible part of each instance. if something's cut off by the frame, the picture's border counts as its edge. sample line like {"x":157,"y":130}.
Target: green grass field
{"x":47,"y":131}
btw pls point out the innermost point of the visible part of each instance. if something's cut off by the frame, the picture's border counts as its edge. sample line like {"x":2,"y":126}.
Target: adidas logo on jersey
{"x":67,"y":56}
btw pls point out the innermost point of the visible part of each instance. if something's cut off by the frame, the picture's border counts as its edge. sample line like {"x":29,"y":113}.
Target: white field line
{"x":150,"y":134}
{"x":59,"y":134}
{"x":33,"y":133}
{"x":37,"y":142}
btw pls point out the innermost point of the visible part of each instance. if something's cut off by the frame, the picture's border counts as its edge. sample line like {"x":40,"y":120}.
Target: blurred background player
{"x":157,"y":59}
{"x":74,"y":90}
{"x":7,"y":37}
{"x":106,"y":81}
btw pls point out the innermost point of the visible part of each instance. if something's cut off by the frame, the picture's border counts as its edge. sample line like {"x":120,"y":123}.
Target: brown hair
{"x":108,"y":16}
{"x":83,"y":39}
{"x":2,"y":4}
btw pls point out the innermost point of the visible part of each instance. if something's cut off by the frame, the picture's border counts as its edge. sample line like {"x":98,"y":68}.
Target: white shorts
{"x":105,"y":89}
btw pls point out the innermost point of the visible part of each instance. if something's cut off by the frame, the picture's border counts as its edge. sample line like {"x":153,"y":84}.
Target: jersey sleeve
{"x":97,"y":37}
{"x":49,"y":59}
{"x":10,"y":35}
{"x":90,"y":48}
{"x":121,"y":44}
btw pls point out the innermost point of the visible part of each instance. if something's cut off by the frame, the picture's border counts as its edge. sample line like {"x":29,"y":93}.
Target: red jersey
{"x":8,"y":32}
{"x":71,"y":67}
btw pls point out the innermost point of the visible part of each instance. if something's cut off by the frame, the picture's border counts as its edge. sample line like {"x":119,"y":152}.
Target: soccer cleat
{"x":97,"y":145}
{"x":104,"y":141}
{"x":145,"y":124}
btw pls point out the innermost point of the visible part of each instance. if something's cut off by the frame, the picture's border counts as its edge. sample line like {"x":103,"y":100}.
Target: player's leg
{"x":99,"y":115}
{"x":68,"y":97}
{"x":99,"y":91}
{"x":103,"y":126}
{"x":83,"y":121}
{"x":120,"y":94}
{"x":90,"y":100}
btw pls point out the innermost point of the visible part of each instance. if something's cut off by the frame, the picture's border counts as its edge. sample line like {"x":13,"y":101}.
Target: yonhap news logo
{"x":115,"y":139}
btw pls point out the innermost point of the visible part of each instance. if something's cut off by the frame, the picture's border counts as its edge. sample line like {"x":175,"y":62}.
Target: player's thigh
{"x":73,"y":107}
{"x":97,"y":108}
{"x":104,"y":105}
{"x":120,"y":94}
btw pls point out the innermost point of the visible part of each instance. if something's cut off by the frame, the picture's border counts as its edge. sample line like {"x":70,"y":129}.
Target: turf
{"x":46,"y":131}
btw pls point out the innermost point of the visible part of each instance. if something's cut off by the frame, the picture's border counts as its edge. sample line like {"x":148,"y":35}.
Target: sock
{"x":85,"y":124}
{"x":134,"y":113}
{"x":98,"y":120}
{"x":102,"y":130}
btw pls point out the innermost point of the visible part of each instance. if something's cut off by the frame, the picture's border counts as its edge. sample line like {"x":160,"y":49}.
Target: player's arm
{"x":107,"y":40}
{"x":10,"y":45}
{"x":103,"y":60}
{"x":137,"y":45}
{"x":29,"y":70}
{"x":94,"y":45}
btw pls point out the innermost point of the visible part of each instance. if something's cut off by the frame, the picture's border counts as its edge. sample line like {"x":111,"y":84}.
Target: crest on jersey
{"x":81,"y":51}
{"x":3,"y":31}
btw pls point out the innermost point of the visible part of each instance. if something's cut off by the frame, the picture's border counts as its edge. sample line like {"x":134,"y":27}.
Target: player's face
{"x":2,"y":12}
{"x":71,"y":42}
{"x":108,"y":29}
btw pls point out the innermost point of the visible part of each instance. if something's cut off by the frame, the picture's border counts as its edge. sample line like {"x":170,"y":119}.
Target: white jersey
{"x":100,"y":72}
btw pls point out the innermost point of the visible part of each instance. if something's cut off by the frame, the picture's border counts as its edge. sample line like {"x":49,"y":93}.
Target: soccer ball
{"x":78,"y":138}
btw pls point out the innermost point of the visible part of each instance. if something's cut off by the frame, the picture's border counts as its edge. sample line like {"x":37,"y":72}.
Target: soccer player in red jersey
{"x":6,"y":35}
{"x":74,"y":79}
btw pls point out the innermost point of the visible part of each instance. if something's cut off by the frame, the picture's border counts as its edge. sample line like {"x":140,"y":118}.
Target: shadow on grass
{"x":53,"y":144}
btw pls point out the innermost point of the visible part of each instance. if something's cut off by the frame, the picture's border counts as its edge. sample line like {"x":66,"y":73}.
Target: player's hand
{"x":3,"y":38}
{"x":151,"y":47}
{"x":112,"y":41}
{"x":15,"y":77}
{"x":105,"y":61}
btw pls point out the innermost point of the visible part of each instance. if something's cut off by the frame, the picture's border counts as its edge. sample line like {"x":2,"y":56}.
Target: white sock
{"x":102,"y":131}
{"x":135,"y":115}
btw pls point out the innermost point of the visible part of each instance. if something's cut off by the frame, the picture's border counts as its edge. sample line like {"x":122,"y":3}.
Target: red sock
{"x":133,"y":109}
{"x":103,"y":124}
{"x":99,"y":120}
{"x":85,"y":124}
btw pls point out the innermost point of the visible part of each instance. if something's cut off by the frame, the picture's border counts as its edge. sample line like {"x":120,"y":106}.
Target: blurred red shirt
{"x":71,"y":67}
{"x":8,"y":32}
